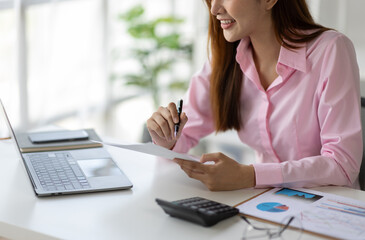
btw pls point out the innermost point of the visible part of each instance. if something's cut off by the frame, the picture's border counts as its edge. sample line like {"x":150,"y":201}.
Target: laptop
{"x":70,"y":171}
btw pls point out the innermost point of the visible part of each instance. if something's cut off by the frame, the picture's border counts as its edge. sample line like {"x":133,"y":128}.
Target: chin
{"x":230,"y":38}
{"x":231,"y":41}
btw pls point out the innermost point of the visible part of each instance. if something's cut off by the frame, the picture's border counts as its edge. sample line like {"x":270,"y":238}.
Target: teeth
{"x":227,"y":21}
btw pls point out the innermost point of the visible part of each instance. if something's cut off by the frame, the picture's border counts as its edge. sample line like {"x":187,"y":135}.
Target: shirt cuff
{"x":268,"y":174}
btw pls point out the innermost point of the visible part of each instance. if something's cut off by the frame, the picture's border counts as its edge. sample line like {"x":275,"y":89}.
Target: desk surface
{"x":128,"y":214}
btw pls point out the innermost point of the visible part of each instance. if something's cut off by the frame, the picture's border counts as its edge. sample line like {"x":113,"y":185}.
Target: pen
{"x":179,"y":111}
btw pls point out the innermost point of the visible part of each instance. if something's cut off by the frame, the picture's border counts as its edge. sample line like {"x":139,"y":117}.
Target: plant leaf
{"x":171,"y":41}
{"x":179,"y":85}
{"x":142,"y":30}
{"x":132,"y":14}
{"x":168,"y":19}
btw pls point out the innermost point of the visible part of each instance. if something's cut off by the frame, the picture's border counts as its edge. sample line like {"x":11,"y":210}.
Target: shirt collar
{"x":292,"y":58}
{"x":245,"y":59}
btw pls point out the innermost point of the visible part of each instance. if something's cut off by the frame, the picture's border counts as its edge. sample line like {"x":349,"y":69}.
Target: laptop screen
{"x":4,"y":118}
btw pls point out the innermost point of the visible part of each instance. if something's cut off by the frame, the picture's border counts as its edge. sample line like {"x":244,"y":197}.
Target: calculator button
{"x":202,"y":210}
{"x":210,"y":212}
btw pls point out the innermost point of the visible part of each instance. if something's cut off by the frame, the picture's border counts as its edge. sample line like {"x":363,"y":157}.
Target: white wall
{"x":346,"y":16}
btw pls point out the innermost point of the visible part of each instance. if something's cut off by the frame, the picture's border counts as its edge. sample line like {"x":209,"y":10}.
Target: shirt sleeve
{"x":198,"y":110}
{"x":340,"y":128}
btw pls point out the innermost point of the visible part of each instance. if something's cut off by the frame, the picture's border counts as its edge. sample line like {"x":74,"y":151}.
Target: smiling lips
{"x":226,"y":23}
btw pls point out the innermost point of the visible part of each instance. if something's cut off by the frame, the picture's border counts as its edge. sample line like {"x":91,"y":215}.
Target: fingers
{"x":164,"y":119}
{"x":194,"y":170}
{"x":195,"y":175}
{"x":213,"y":157}
{"x":225,"y":174}
{"x":183,"y":121}
{"x":153,"y":127}
{"x":173,"y":111}
{"x":161,"y":123}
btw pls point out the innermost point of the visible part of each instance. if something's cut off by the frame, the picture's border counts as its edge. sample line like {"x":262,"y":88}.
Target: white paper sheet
{"x":318,"y":212}
{"x":153,"y":149}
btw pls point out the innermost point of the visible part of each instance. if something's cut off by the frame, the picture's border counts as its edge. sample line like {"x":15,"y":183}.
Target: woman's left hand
{"x":224,"y":174}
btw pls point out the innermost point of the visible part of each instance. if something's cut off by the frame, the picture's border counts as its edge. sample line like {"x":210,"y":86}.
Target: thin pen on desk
{"x":179,"y":111}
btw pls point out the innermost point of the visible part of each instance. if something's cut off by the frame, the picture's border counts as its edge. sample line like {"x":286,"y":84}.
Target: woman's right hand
{"x":161,"y":125}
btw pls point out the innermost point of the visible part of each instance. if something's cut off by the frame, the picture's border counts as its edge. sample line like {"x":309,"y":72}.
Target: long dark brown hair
{"x":290,"y":18}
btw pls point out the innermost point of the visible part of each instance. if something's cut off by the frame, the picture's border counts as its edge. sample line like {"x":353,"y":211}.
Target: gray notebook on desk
{"x":70,"y":171}
{"x":26,"y":145}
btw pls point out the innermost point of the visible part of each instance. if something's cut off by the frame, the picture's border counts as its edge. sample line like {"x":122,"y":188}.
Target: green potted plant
{"x":156,"y":52}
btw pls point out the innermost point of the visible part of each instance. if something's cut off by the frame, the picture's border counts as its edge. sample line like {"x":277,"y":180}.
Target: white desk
{"x":129,"y":214}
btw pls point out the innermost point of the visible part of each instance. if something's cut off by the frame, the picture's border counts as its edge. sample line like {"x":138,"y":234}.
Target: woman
{"x":288,"y":86}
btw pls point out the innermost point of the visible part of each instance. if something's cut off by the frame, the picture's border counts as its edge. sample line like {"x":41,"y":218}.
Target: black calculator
{"x":198,"y":210}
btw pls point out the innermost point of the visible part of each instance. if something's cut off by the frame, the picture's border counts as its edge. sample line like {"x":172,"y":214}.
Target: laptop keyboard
{"x":58,"y":171}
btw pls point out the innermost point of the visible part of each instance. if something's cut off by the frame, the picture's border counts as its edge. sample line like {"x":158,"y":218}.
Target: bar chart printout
{"x":340,"y":218}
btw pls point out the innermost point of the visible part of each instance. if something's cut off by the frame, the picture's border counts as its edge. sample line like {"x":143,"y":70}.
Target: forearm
{"x":307,"y":172}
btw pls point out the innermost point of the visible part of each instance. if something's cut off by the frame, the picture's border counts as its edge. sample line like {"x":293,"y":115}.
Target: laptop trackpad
{"x":99,"y":167}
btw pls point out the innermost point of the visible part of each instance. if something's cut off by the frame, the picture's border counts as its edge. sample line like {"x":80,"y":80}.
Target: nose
{"x":216,"y":7}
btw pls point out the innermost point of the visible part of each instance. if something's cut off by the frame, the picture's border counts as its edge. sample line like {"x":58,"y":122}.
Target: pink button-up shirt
{"x":306,"y":127}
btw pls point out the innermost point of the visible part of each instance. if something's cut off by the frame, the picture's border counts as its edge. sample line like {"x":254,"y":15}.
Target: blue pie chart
{"x":272,"y":207}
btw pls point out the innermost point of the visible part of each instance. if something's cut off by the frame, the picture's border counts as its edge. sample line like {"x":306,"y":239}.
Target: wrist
{"x":165,"y":145}
{"x":253,"y":176}
{"x":249,"y":177}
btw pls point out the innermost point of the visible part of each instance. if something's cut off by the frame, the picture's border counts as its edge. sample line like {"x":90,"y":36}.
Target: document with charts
{"x":318,"y":212}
